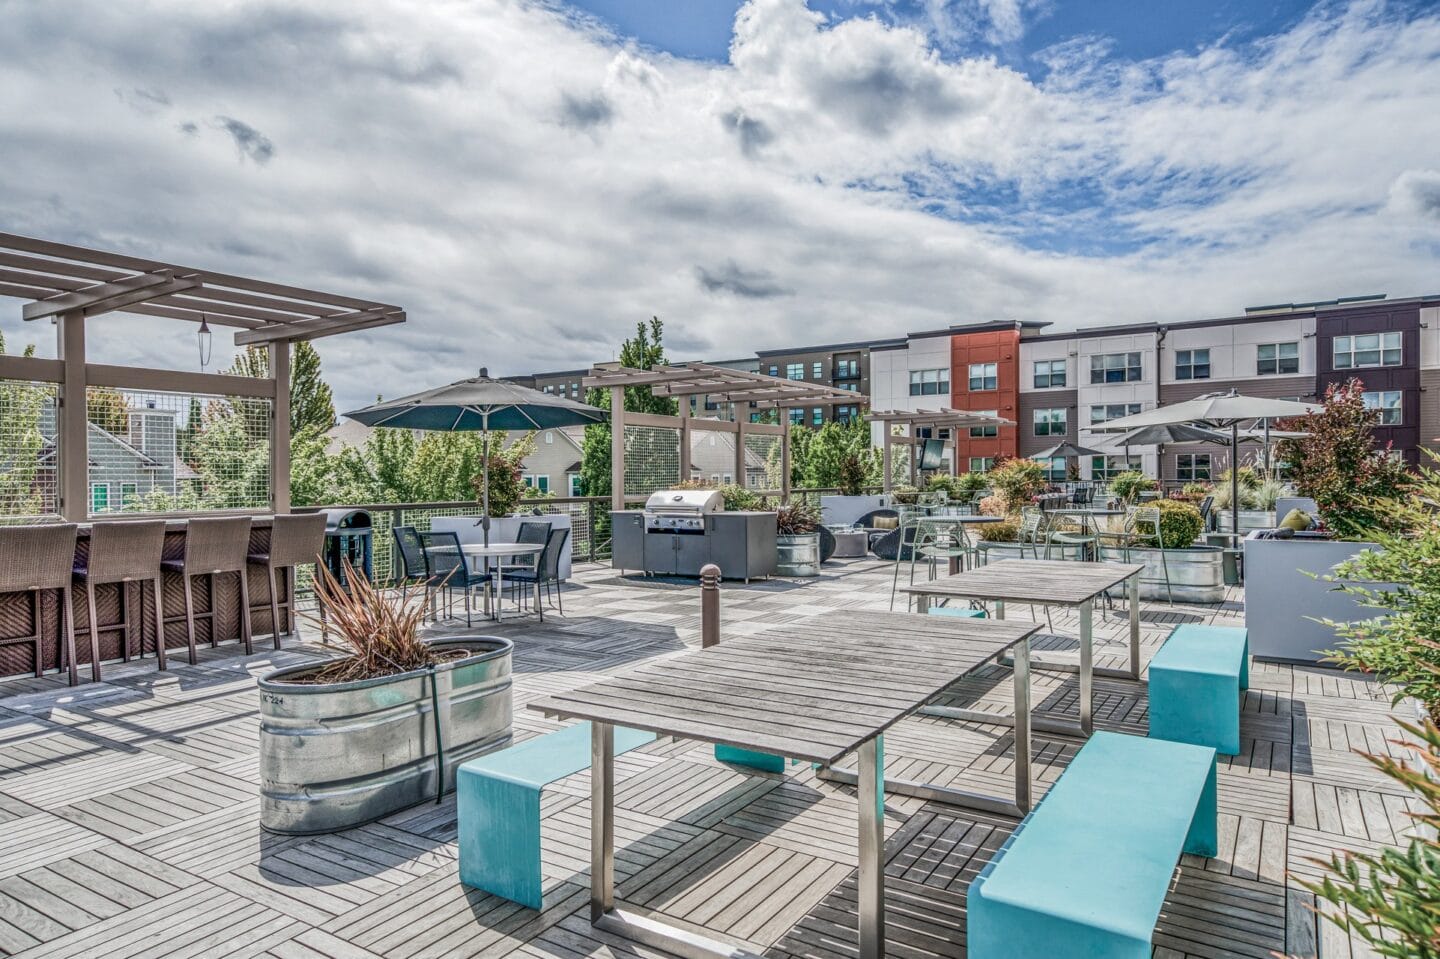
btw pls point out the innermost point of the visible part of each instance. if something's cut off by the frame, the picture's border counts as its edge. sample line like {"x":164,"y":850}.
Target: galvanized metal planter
{"x":1250,"y":519}
{"x":797,"y":555}
{"x":1197,"y":574}
{"x":337,"y":755}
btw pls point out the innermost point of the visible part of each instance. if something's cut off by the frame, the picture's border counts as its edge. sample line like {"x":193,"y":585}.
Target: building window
{"x":855,"y":387}
{"x":99,"y":497}
{"x":1105,"y":412}
{"x":844,"y":414}
{"x":817,"y":370}
{"x":1115,"y":368}
{"x":847,"y":369}
{"x":980,"y":432}
{"x":1103,"y":468}
{"x":1192,"y":467}
{"x":1370,"y":349}
{"x":794,"y":371}
{"x":797,"y":416}
{"x":1051,"y":422}
{"x":1274,"y":359}
{"x":573,"y":482}
{"x":817,"y":416}
{"x":540,"y":482}
{"x":983,"y":376}
{"x":1388,"y":403}
{"x":129,"y":493}
{"x":929,"y":382}
{"x":774,"y":370}
{"x":1054,"y":469}
{"x":981,"y":464}
{"x":1192,"y":364}
{"x":1049,"y":373}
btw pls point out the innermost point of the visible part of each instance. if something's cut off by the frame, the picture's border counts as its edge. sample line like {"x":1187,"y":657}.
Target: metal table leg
{"x":871,"y":879}
{"x":1132,"y":591}
{"x":1087,"y":672}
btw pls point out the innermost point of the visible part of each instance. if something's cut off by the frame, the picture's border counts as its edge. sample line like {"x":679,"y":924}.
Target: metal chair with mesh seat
{"x":546,"y":570}
{"x":1135,"y":534}
{"x":414,"y":567}
{"x":449,"y":569}
{"x":36,"y":559}
{"x":931,"y":542}
{"x":1032,"y":522}
{"x":213,"y":546}
{"x":123,"y":553}
{"x":534,"y":534}
{"x":295,"y":538}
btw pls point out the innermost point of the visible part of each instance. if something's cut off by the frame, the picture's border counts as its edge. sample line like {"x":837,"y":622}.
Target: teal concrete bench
{"x":497,"y":803}
{"x":957,"y":611}
{"x":1196,"y":682}
{"x":1085,"y":874}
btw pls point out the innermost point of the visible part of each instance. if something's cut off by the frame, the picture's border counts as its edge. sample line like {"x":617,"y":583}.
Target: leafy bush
{"x":1400,"y":643}
{"x":795,"y":519}
{"x":1017,"y":482}
{"x":1391,"y":899}
{"x":1196,"y":490}
{"x":853,"y":472}
{"x":507,"y":487}
{"x":1005,"y":531}
{"x":1249,"y":479}
{"x":737,"y":497}
{"x":1338,"y":466}
{"x":1180,"y":523}
{"x":992,"y":506}
{"x":1130,"y":484}
{"x":905,"y":494}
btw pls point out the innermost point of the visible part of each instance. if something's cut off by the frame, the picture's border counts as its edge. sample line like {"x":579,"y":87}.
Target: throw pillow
{"x":1296,"y":519}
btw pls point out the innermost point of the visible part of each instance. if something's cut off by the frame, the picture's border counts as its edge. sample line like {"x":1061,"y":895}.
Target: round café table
{"x":482,"y":557}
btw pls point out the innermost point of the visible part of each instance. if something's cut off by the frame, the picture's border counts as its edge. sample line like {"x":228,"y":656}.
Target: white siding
{"x":1233,"y":347}
{"x":1430,"y":338}
{"x":1144,"y":391}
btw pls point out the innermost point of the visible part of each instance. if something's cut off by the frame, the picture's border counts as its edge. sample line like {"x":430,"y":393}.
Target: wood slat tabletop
{"x":1029,"y":580}
{"x":812,"y":690}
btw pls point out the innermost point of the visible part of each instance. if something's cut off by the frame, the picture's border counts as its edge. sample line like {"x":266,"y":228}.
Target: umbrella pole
{"x":485,"y":476}
{"x":1234,"y":481}
{"x":1267,"y":449}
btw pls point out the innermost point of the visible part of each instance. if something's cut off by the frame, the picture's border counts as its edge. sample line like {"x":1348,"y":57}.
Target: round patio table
{"x":493,"y":556}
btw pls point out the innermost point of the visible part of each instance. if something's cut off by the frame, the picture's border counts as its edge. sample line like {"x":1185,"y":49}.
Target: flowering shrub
{"x":1017,"y":482}
{"x":992,"y":506}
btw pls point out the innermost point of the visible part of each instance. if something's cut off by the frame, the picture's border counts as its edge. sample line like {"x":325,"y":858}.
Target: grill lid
{"x":685,"y":501}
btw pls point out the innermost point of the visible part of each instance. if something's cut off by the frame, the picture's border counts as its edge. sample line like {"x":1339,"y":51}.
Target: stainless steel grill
{"x":681,"y":510}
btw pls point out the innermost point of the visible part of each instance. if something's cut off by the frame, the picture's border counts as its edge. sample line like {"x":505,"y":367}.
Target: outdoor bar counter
{"x":16,"y":610}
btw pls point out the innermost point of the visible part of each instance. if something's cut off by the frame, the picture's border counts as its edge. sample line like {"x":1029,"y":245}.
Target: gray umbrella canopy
{"x":1216,"y":411}
{"x":479,"y":404}
{"x":1067,"y":450}
{"x":1170,"y":433}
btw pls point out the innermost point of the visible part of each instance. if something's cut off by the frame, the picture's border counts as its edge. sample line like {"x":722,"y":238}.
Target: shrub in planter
{"x":795,"y":519}
{"x":1006,"y":531}
{"x":905,"y":494}
{"x":1130,"y":484}
{"x":1180,"y":523}
{"x":737,"y":497}
{"x":1017,"y":482}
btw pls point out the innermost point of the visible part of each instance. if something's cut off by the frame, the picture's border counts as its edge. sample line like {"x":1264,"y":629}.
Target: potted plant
{"x":1130,"y":484}
{"x":852,"y":503}
{"x":905,"y":494}
{"x":797,"y":543}
{"x":1017,"y":482}
{"x":348,"y":740}
{"x":1196,"y":573}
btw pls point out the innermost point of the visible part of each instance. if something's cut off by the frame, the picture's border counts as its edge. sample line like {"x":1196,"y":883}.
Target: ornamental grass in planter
{"x":797,"y":540}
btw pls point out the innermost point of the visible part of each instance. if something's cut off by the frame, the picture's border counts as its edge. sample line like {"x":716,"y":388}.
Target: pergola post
{"x":617,"y":447}
{"x":74,"y":456}
{"x":785,"y":462}
{"x":684,"y":439}
{"x":885,"y":444}
{"x":280,"y":428}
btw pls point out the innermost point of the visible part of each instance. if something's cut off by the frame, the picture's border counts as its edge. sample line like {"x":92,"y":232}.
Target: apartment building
{"x":845,"y":366}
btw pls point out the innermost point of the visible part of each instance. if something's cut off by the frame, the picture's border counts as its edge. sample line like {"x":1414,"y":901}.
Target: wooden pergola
{"x":720,"y":383}
{"x":912,"y":420}
{"x":70,"y":284}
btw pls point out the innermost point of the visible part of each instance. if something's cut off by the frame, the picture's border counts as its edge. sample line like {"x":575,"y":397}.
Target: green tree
{"x":818,"y":457}
{"x":644,"y":351}
{"x":108,"y":409}
{"x":312,"y":403}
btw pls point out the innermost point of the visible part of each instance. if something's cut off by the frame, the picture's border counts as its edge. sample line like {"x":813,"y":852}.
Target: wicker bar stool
{"x":212,"y":546}
{"x":295,"y":538}
{"x":36,"y":558}
{"x":123,"y":553}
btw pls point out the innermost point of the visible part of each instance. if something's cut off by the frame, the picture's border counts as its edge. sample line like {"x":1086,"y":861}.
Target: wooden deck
{"x":128,"y":817}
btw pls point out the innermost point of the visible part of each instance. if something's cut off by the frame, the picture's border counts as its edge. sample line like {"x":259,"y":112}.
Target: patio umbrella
{"x":1216,"y":411}
{"x":479,"y":404}
{"x":1067,"y":450}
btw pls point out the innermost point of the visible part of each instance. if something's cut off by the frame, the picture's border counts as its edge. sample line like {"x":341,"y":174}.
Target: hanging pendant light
{"x":204,"y":336}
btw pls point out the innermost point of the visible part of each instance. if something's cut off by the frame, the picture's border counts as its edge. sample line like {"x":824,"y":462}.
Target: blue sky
{"x":1138,"y":29}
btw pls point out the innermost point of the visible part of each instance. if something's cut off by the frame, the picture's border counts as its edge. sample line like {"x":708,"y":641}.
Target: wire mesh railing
{"x":29,"y":479}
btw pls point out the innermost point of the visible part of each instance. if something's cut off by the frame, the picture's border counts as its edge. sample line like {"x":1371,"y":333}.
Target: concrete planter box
{"x":337,"y":755}
{"x":1197,"y":574}
{"x":797,"y":555}
{"x":845,"y":510}
{"x":1280,"y":599}
{"x":1250,"y":520}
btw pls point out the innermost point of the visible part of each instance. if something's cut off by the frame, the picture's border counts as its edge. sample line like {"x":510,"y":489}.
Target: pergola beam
{"x":104,"y":297}
{"x":310,"y":329}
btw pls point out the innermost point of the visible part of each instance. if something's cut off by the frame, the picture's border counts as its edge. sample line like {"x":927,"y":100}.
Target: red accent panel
{"x":1002,"y":348}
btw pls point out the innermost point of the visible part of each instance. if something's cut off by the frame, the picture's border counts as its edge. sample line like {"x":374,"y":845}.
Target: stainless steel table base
{"x":1017,"y":807}
{"x":650,"y":931}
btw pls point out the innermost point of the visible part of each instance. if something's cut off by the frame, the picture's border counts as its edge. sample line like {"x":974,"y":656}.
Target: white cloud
{"x":528,"y":186}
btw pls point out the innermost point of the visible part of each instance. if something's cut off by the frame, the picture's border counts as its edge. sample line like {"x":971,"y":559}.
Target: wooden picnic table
{"x":1052,"y":583}
{"x":817,"y":690}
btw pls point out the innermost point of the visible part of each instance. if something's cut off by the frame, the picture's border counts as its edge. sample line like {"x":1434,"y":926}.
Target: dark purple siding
{"x":1405,"y":377}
